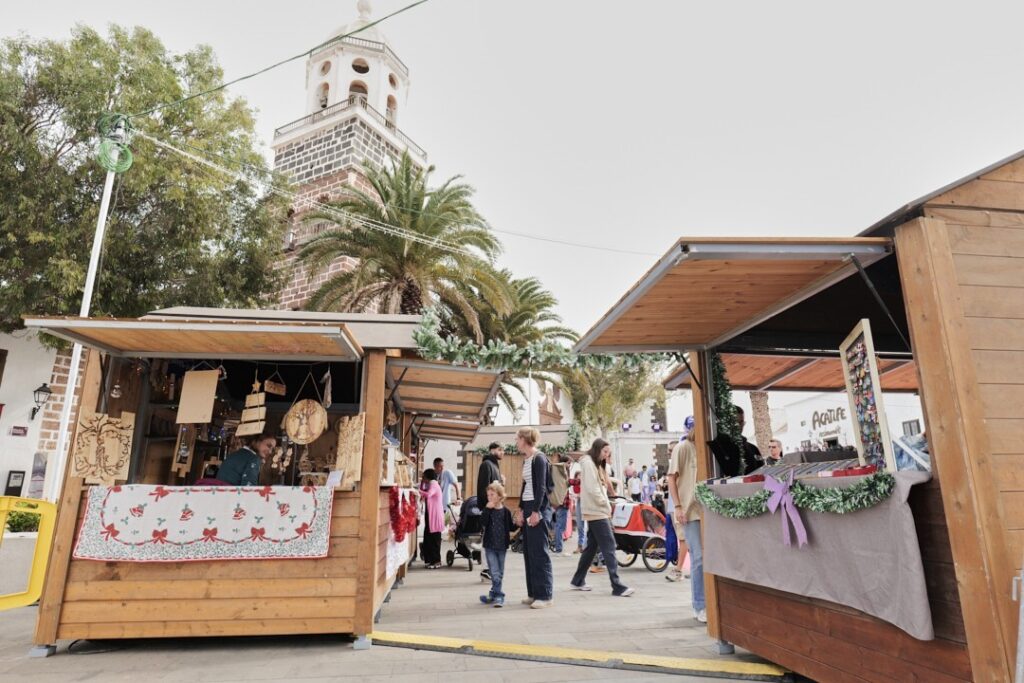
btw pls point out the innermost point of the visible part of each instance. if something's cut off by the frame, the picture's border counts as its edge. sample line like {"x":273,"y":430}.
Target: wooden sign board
{"x":255,"y":400}
{"x":250,"y":428}
{"x":276,"y":388}
{"x":864,"y":389}
{"x":350,"y":447}
{"x":103,"y":448}
{"x":198,"y":393}
{"x":254,"y":414}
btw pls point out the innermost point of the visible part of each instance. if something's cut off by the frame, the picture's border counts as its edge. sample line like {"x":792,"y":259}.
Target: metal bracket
{"x":42,"y":651}
{"x":362,"y":643}
{"x":724,"y":647}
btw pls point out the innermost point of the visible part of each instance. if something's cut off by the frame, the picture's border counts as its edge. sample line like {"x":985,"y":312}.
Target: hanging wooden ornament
{"x":255,"y":414}
{"x":306,"y":420}
{"x":276,"y":387}
{"x":103,"y":448}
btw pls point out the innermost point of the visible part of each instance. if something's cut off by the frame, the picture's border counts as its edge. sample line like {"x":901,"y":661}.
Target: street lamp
{"x":40,"y":396}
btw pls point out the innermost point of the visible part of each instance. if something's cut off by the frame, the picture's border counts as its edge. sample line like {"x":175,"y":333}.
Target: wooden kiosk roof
{"x":738,"y":282}
{"x":191,"y":338}
{"x":447,"y":402}
{"x":755,"y":372}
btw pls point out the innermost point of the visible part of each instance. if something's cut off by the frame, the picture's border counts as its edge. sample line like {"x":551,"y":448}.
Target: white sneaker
{"x":540,"y":604}
{"x":527,"y":601}
{"x":674,"y":575}
{"x":574,"y":587}
{"x":701,"y":616}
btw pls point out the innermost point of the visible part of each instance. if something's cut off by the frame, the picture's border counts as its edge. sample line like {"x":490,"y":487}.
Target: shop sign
{"x":19,"y":431}
{"x":823,"y":418}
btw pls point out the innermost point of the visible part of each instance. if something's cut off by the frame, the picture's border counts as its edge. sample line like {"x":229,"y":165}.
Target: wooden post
{"x":959,"y":444}
{"x":369,"y":494}
{"x":52,"y":600}
{"x":705,"y":469}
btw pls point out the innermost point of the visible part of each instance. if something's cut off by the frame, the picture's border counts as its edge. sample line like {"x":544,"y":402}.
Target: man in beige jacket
{"x":682,"y":477}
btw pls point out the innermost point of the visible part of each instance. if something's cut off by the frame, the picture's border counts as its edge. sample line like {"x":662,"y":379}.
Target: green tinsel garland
{"x":838,"y":500}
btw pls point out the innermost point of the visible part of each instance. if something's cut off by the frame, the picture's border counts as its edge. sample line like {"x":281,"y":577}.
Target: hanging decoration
{"x":350,"y":447}
{"x":869,"y":492}
{"x":402,"y":510}
{"x":254,"y":416}
{"x":103,"y":447}
{"x":277,"y":388}
{"x":184,"y":447}
{"x":328,"y":387}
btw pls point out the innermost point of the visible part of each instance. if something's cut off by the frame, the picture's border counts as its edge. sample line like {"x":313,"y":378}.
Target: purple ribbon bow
{"x":782,"y":497}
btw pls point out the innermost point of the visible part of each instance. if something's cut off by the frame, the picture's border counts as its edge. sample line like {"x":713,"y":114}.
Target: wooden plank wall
{"x":225,"y":598}
{"x":383,"y":581}
{"x":511,"y":468}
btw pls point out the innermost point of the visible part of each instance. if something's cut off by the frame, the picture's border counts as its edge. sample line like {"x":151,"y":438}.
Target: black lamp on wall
{"x":40,"y":396}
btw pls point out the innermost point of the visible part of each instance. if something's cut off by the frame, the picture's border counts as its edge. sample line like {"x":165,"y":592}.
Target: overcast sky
{"x":629,"y":124}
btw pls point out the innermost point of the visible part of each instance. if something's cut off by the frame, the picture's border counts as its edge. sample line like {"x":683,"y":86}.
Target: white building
{"x":823,"y":420}
{"x":25,"y":365}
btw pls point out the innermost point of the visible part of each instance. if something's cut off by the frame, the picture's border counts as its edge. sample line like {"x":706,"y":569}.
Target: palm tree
{"x":443,"y":245}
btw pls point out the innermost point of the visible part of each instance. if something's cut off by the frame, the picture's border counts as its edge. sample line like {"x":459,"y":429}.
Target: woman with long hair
{"x":430,"y":491}
{"x":598,"y":513}
{"x":533,"y":505}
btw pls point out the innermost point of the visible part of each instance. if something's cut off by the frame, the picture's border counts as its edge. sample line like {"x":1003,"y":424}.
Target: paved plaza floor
{"x":657,"y":620}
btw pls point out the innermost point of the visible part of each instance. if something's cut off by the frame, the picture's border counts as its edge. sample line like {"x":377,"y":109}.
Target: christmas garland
{"x":838,"y":500}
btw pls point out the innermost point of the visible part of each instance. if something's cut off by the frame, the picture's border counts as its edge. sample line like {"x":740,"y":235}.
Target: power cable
{"x":307,"y":53}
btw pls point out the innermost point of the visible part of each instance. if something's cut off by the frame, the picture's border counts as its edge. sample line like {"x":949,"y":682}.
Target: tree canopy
{"x":177,"y":234}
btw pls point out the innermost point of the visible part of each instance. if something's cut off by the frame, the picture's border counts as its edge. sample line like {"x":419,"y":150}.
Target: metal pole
{"x":56,"y":480}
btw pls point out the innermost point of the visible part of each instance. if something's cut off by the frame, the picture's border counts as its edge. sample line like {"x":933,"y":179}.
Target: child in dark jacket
{"x":496,"y":521}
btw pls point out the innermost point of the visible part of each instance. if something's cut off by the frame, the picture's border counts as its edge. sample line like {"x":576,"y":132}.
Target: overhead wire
{"x":307,"y":53}
{"x":345,"y":216}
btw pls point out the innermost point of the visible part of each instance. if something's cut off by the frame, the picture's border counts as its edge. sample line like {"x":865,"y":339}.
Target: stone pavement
{"x":656,"y":620}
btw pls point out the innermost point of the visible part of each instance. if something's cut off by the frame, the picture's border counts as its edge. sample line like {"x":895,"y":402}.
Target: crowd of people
{"x":557,"y":488}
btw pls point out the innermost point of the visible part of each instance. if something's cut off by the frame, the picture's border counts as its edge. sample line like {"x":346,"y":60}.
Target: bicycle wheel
{"x":655,"y":558}
{"x":623,"y":558}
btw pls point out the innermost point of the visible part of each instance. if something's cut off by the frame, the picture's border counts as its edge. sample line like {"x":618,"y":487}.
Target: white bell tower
{"x":356,"y":89}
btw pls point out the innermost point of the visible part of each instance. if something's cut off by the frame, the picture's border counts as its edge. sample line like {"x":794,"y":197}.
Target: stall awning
{"x":705,"y":291}
{"x":754,"y":372}
{"x":451,"y":401}
{"x":187,"y":338}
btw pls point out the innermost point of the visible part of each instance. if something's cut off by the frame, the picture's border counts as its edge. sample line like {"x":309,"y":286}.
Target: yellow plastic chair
{"x":47,"y":522}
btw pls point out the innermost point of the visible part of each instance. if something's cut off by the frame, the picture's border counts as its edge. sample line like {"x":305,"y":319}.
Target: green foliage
{"x":177,"y":233}
{"x":603,"y":397}
{"x":510,"y":449}
{"x":22,"y":521}
{"x":869,"y":492}
{"x":725,"y":410}
{"x":400,"y":275}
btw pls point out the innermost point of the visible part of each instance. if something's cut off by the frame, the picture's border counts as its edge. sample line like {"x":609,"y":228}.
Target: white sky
{"x":628,"y":125}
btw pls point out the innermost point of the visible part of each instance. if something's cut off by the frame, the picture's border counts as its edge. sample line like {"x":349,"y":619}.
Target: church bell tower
{"x":356,"y":89}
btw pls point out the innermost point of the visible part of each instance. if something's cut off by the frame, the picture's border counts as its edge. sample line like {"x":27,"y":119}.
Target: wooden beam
{"x":52,"y":601}
{"x":959,"y":443}
{"x":705,"y":470}
{"x":899,"y":365}
{"x":369,"y":489}
{"x":786,"y":374}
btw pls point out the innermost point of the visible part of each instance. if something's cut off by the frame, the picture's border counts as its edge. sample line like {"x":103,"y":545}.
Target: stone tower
{"x":356,"y":88}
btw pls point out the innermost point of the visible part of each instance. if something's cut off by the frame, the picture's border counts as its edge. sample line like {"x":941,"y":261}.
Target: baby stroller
{"x":639,"y":530}
{"x":467,"y":532}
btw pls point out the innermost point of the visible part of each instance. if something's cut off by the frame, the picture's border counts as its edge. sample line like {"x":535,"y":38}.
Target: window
{"x":323,"y":96}
{"x":357,"y":89}
{"x":325,"y":68}
{"x":360,"y":66}
{"x":911,"y":427}
{"x":393,"y":80}
{"x":392,"y":111}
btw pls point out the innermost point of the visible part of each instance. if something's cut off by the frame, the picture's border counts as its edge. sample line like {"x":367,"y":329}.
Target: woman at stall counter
{"x":242,"y":468}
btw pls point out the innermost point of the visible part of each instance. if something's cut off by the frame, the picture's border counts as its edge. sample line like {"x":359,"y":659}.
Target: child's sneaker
{"x":487,"y":599}
{"x":498,"y":602}
{"x":674,"y":575}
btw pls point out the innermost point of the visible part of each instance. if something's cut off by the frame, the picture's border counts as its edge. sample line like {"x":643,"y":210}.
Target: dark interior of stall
{"x":151,"y":388}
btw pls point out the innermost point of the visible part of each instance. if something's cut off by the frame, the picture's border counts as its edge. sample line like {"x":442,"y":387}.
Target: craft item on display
{"x":277,"y":388}
{"x":350,"y":446}
{"x":254,"y":416}
{"x":864,"y":389}
{"x":103,"y":447}
{"x":141,"y":523}
{"x":198,"y":393}
{"x":282,"y":458}
{"x":181,"y":462}
{"x":328,"y":387}
{"x":305,"y":421}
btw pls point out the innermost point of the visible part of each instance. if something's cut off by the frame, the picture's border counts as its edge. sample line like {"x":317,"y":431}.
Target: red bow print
{"x":303,"y":530}
{"x":159,"y":492}
{"x":266,"y":492}
{"x":115,"y":489}
{"x":258,"y":534}
{"x":160,"y":535}
{"x":209,"y":535}
{"x":109,"y":532}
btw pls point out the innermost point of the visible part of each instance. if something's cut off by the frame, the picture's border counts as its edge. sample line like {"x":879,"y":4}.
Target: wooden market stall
{"x":275,"y":372}
{"x":945,"y":272}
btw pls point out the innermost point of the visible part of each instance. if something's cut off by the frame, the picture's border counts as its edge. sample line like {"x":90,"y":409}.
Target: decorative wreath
{"x":838,"y":500}
{"x":403,"y":513}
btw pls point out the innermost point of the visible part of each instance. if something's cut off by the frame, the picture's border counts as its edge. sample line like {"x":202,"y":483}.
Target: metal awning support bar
{"x":878,"y":298}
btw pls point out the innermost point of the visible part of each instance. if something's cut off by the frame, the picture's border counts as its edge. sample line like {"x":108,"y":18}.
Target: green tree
{"x":451,"y":255}
{"x":602,"y":399}
{"x":178,"y":233}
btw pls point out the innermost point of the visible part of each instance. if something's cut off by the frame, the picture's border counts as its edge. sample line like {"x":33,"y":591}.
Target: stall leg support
{"x":41,"y":651}
{"x":724,"y":647}
{"x":376,"y":617}
{"x":362,"y":643}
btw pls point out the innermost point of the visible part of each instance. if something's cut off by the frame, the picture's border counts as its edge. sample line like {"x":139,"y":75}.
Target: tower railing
{"x":366,"y":45}
{"x":354,"y":101}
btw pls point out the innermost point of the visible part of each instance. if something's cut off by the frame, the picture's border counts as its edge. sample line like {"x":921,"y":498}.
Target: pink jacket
{"x":432,"y":499}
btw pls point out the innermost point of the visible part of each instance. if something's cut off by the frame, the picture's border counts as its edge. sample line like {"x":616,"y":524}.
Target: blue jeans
{"x":691,"y":531}
{"x":496,"y":565}
{"x":558,"y":517}
{"x":581,"y":526}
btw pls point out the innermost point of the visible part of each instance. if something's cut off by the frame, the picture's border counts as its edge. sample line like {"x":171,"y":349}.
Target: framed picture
{"x":864,"y":389}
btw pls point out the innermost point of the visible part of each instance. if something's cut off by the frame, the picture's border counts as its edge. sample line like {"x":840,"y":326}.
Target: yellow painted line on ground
{"x":567,"y":655}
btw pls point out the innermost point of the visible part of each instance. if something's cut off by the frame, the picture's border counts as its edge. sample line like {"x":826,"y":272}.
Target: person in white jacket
{"x":597,"y":512}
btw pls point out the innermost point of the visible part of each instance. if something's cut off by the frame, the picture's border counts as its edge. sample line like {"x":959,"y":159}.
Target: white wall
{"x":899,"y":408}
{"x":29,"y":364}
